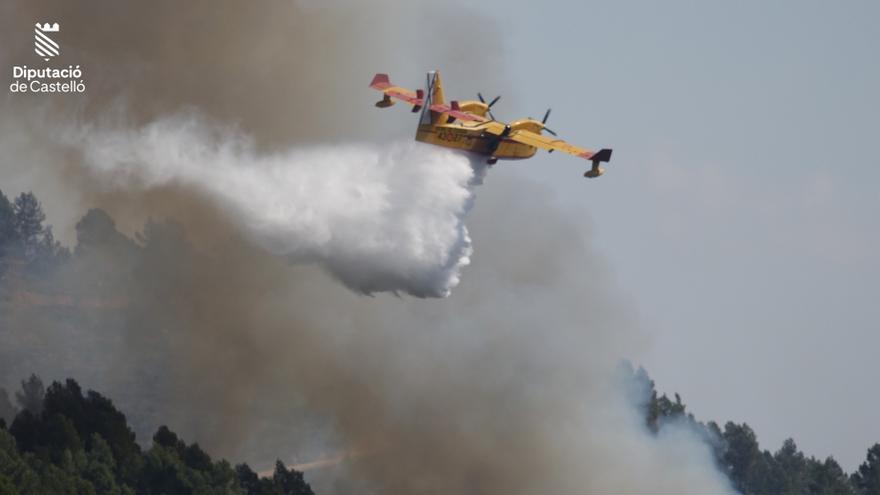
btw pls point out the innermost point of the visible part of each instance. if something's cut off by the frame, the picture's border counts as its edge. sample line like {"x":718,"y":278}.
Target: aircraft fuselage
{"x":473,"y":138}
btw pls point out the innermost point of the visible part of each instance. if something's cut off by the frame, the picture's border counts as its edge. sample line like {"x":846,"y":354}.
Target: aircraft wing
{"x":551,"y":144}
{"x":382,"y":83}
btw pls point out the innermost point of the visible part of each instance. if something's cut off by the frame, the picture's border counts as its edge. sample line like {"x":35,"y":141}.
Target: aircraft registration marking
{"x":450,"y":135}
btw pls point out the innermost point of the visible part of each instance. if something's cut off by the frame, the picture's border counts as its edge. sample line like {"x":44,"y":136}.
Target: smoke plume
{"x":240,"y":122}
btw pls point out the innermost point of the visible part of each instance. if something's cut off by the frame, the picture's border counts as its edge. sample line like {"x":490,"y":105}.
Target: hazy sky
{"x":740,"y":209}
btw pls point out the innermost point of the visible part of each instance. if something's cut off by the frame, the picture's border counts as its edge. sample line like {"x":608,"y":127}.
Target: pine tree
{"x":30,"y":398}
{"x":29,"y":218}
{"x":867,"y":478}
{"x":7,"y":222}
{"x":7,"y":410}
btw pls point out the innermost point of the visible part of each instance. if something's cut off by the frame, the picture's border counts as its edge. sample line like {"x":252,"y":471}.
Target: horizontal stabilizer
{"x":603,"y":155}
{"x":380,"y":81}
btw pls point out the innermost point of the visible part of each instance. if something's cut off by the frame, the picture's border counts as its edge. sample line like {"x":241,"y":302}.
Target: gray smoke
{"x":507,"y":386}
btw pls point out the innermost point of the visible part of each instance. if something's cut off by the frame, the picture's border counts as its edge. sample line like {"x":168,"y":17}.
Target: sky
{"x":739,"y":212}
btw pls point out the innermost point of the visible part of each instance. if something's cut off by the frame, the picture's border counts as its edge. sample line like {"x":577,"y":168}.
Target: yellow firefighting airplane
{"x":464,"y":125}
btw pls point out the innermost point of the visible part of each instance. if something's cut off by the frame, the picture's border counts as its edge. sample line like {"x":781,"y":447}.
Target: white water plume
{"x":379,"y":218}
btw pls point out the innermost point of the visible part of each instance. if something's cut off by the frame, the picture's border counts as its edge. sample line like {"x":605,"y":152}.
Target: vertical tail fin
{"x":433,"y":96}
{"x":437,"y":87}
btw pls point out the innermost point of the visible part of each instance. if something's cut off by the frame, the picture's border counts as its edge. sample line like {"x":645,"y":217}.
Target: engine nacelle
{"x":385,"y":102}
{"x":530,"y":125}
{"x":474,"y":107}
{"x":594,"y":172}
{"x":603,"y":155}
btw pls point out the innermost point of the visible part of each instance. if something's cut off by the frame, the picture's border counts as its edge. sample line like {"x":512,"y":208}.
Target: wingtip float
{"x":470,"y":125}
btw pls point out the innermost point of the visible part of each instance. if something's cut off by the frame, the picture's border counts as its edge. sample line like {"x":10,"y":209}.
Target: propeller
{"x":489,"y":105}
{"x":544,"y":121}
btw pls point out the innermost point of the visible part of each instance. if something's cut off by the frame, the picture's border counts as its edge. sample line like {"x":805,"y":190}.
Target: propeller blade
{"x":544,"y":121}
{"x":550,"y":131}
{"x":488,"y":105}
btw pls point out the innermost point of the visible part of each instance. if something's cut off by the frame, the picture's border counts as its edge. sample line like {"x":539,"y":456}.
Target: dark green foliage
{"x":48,"y":253}
{"x":828,"y":478}
{"x":7,"y":223}
{"x":661,"y":408}
{"x":191,"y":455}
{"x":753,"y":471}
{"x":32,"y":240}
{"x":248,"y":479}
{"x":168,"y":439}
{"x":793,"y":470}
{"x":100,"y":467}
{"x":657,"y":409}
{"x":788,"y":471}
{"x":96,"y":231}
{"x":76,"y":443}
{"x":283,"y":481}
{"x":24,"y":238}
{"x":103,"y":258}
{"x":7,"y":410}
{"x":289,"y":481}
{"x":94,"y":414}
{"x":8,"y":235}
{"x":29,"y":219}
{"x":867,"y":478}
{"x":742,"y":455}
{"x":173,"y":467}
{"x":30,"y":397}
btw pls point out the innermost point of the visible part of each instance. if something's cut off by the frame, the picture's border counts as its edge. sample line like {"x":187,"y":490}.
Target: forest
{"x":60,"y":439}
{"x":64,"y":441}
